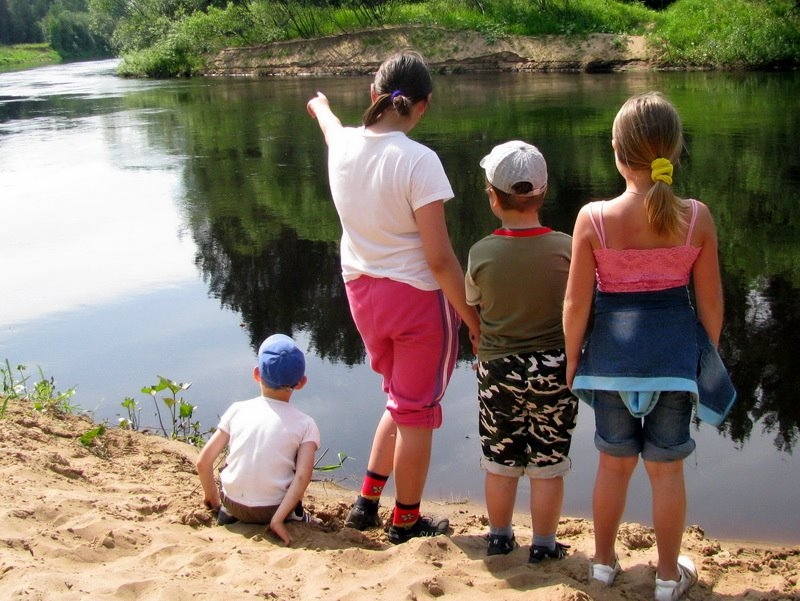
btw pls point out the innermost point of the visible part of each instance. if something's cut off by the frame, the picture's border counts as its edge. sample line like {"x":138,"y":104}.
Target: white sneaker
{"x":603,"y":573}
{"x":670,"y":590}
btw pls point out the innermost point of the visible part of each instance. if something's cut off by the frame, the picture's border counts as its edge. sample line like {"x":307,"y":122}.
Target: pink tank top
{"x":643,"y":269}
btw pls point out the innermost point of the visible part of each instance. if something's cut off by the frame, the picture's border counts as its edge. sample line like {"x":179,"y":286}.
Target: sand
{"x":123,"y":519}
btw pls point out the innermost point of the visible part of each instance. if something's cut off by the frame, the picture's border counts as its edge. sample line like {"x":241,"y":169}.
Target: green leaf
{"x":186,"y":409}
{"x":88,"y":437}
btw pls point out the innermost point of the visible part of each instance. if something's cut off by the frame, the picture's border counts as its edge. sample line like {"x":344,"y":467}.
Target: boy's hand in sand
{"x":280,"y":530}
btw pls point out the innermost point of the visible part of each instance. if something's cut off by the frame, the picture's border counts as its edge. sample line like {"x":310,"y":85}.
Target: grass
{"x":733,"y":34}
{"x":25,"y":56}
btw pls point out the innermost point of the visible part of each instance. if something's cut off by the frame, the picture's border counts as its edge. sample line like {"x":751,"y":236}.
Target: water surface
{"x":166,"y":227}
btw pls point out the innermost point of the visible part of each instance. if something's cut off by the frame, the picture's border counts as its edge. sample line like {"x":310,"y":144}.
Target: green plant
{"x":737,"y":33}
{"x":11,"y":385}
{"x":334,"y":466}
{"x":47,"y":399}
{"x":180,"y":412}
{"x":133,"y":420}
{"x":492,"y":32}
{"x":87,"y":439}
{"x":372,"y":13}
{"x":43,"y":394}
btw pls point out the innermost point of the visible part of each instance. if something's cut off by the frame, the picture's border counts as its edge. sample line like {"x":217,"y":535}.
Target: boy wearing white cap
{"x":271,"y":446}
{"x":516,"y":277}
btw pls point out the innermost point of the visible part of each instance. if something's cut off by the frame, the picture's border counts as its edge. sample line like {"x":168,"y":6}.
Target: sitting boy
{"x":271,"y":446}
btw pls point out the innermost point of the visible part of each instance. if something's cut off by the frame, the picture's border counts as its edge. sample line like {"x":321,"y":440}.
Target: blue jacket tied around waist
{"x":644,"y":343}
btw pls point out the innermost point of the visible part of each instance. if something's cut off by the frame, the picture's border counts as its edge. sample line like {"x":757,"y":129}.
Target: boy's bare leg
{"x":547,"y":497}
{"x":501,"y":493}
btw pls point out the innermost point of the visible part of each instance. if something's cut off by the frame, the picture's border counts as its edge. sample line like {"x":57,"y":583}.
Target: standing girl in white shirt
{"x":404,"y":283}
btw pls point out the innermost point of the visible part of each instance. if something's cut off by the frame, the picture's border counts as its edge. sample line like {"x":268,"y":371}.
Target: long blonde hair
{"x":646,"y":128}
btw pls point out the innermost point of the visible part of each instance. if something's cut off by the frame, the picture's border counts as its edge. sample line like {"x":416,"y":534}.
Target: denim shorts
{"x":662,"y":435}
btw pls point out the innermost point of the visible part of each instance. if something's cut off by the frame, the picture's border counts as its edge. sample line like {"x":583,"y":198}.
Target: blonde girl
{"x":638,"y":368}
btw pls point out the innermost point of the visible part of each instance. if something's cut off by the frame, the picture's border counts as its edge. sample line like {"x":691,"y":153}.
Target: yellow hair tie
{"x":661,"y":171}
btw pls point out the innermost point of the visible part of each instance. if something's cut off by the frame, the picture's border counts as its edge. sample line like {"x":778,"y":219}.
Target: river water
{"x":166,"y":227}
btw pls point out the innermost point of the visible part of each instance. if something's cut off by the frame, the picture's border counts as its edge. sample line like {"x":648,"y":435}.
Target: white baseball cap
{"x":514,"y":162}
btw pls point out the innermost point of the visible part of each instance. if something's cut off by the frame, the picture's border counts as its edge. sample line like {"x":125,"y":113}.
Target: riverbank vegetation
{"x":741,"y":34}
{"x":163,"y":38}
{"x":24,"y":56}
{"x":66,"y":27}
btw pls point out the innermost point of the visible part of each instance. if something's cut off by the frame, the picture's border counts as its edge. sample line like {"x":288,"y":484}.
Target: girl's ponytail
{"x":648,"y":135}
{"x":402,"y":80}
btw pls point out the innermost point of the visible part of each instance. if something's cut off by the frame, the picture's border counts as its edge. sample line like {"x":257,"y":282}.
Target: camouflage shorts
{"x":527,"y":414}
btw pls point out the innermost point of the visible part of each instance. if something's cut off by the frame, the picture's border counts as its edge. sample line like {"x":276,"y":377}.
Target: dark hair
{"x":515,"y":201}
{"x":402,"y":80}
{"x":648,"y":127}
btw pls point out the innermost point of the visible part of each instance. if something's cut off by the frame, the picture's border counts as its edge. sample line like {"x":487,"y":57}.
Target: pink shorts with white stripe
{"x":411,"y":337}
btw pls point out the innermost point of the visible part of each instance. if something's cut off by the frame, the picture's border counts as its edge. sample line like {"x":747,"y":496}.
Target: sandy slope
{"x":445,"y":51}
{"x":124,"y":520}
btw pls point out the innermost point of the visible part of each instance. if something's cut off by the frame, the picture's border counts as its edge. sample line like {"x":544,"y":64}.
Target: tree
{"x":23,"y":20}
{"x":5,"y":23}
{"x":70,"y":34}
{"x":138,"y":24}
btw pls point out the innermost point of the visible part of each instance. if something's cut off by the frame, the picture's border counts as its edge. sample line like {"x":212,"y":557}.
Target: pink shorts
{"x":411,"y":337}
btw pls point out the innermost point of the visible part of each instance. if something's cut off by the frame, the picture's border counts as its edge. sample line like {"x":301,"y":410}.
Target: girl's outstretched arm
{"x":319,"y":109}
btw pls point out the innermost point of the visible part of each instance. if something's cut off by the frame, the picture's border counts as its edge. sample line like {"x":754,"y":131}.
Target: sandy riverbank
{"x":124,"y":520}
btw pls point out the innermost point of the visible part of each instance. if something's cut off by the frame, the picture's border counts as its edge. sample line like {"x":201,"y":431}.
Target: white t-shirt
{"x":377,"y":182}
{"x":264,"y":438}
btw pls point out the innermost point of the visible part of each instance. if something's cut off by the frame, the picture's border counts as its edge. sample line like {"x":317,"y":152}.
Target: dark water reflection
{"x":242,"y":168}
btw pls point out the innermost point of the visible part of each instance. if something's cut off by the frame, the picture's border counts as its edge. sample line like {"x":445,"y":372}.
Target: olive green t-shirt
{"x":518,"y":279}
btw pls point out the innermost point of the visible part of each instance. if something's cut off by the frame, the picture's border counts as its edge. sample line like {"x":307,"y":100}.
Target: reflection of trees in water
{"x":291,"y":285}
{"x":287,"y":285}
{"x":259,"y":206}
{"x":762,"y":327}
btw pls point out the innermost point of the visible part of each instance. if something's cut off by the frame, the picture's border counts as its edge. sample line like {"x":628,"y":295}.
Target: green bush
{"x":139,"y":33}
{"x":179,"y":50}
{"x":170,"y":57}
{"x":70,"y":34}
{"x":736,"y":33}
